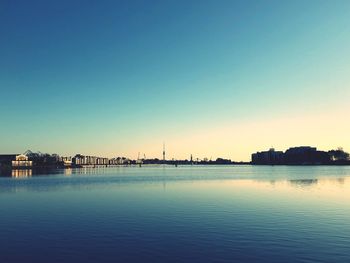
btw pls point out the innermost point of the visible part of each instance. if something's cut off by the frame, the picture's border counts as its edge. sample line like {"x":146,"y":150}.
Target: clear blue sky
{"x":120,"y":77}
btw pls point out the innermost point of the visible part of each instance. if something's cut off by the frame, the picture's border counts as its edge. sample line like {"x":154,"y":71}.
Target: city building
{"x":22,"y":162}
{"x":67,"y":161}
{"x":294,"y":155}
{"x":306,"y":155}
{"x":268,"y":157}
{"x":89,"y":160}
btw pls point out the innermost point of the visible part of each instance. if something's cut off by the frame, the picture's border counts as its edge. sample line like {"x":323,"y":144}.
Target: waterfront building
{"x":222,"y":161}
{"x":306,"y":155}
{"x":89,"y":160}
{"x":294,"y":155}
{"x":268,"y":157}
{"x":77,"y":159}
{"x":65,"y":158}
{"x":22,"y":161}
{"x":114,"y":161}
{"x":67,"y":161}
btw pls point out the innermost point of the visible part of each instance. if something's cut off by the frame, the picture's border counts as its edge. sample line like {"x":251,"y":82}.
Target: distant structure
{"x":299,"y":156}
{"x":80,"y":159}
{"x":306,"y":155}
{"x":22,"y":162}
{"x":139,"y":161}
{"x":119,"y":161}
{"x":163,"y":152}
{"x":66,"y":160}
{"x":268,"y":157}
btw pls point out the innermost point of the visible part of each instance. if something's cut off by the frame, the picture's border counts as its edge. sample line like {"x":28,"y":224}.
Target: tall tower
{"x":163,"y":152}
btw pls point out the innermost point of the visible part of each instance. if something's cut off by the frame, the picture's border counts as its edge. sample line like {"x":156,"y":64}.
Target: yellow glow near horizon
{"x":235,"y":139}
{"x":327,"y":130}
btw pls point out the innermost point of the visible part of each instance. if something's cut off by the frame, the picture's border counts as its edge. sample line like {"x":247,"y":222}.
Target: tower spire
{"x":163,"y":152}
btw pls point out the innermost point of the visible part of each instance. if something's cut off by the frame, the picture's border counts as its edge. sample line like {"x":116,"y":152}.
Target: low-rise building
{"x":268,"y":157}
{"x":306,"y":155}
{"x":89,"y":160}
{"x":22,"y":161}
{"x":294,"y":155}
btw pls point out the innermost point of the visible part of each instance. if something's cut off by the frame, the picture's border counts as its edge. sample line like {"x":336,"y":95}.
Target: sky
{"x":208,"y":78}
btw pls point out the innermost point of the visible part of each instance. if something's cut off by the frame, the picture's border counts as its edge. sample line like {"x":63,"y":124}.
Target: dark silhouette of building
{"x":306,"y":155}
{"x":296,"y":155}
{"x":223,"y":161}
{"x":268,"y":157}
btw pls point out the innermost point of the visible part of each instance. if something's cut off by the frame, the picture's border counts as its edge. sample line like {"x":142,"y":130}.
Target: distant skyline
{"x":208,"y":78}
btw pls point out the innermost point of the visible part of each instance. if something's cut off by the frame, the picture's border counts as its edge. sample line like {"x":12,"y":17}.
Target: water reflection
{"x":284,"y":179}
{"x":22,"y":173}
{"x":340,"y":180}
{"x":297,"y":174}
{"x":213,"y":214}
{"x":68,"y":171}
{"x":304,"y":182}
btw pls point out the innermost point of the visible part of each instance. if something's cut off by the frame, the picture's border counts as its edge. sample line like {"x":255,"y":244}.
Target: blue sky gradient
{"x":118,"y":77}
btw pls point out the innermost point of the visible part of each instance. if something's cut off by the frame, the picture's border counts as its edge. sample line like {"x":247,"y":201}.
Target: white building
{"x":22,"y":161}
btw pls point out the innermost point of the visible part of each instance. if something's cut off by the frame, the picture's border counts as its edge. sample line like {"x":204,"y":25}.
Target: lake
{"x":176,"y":214}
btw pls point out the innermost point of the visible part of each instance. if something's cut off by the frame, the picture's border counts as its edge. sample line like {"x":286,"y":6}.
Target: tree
{"x":339,"y":155}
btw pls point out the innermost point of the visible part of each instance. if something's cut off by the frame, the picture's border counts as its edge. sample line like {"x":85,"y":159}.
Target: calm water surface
{"x":177,"y":214}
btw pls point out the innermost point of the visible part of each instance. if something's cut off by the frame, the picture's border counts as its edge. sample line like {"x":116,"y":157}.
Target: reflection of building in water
{"x":21,"y":173}
{"x":303,"y":182}
{"x":22,"y":161}
{"x":340,"y":180}
{"x":68,"y":171}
